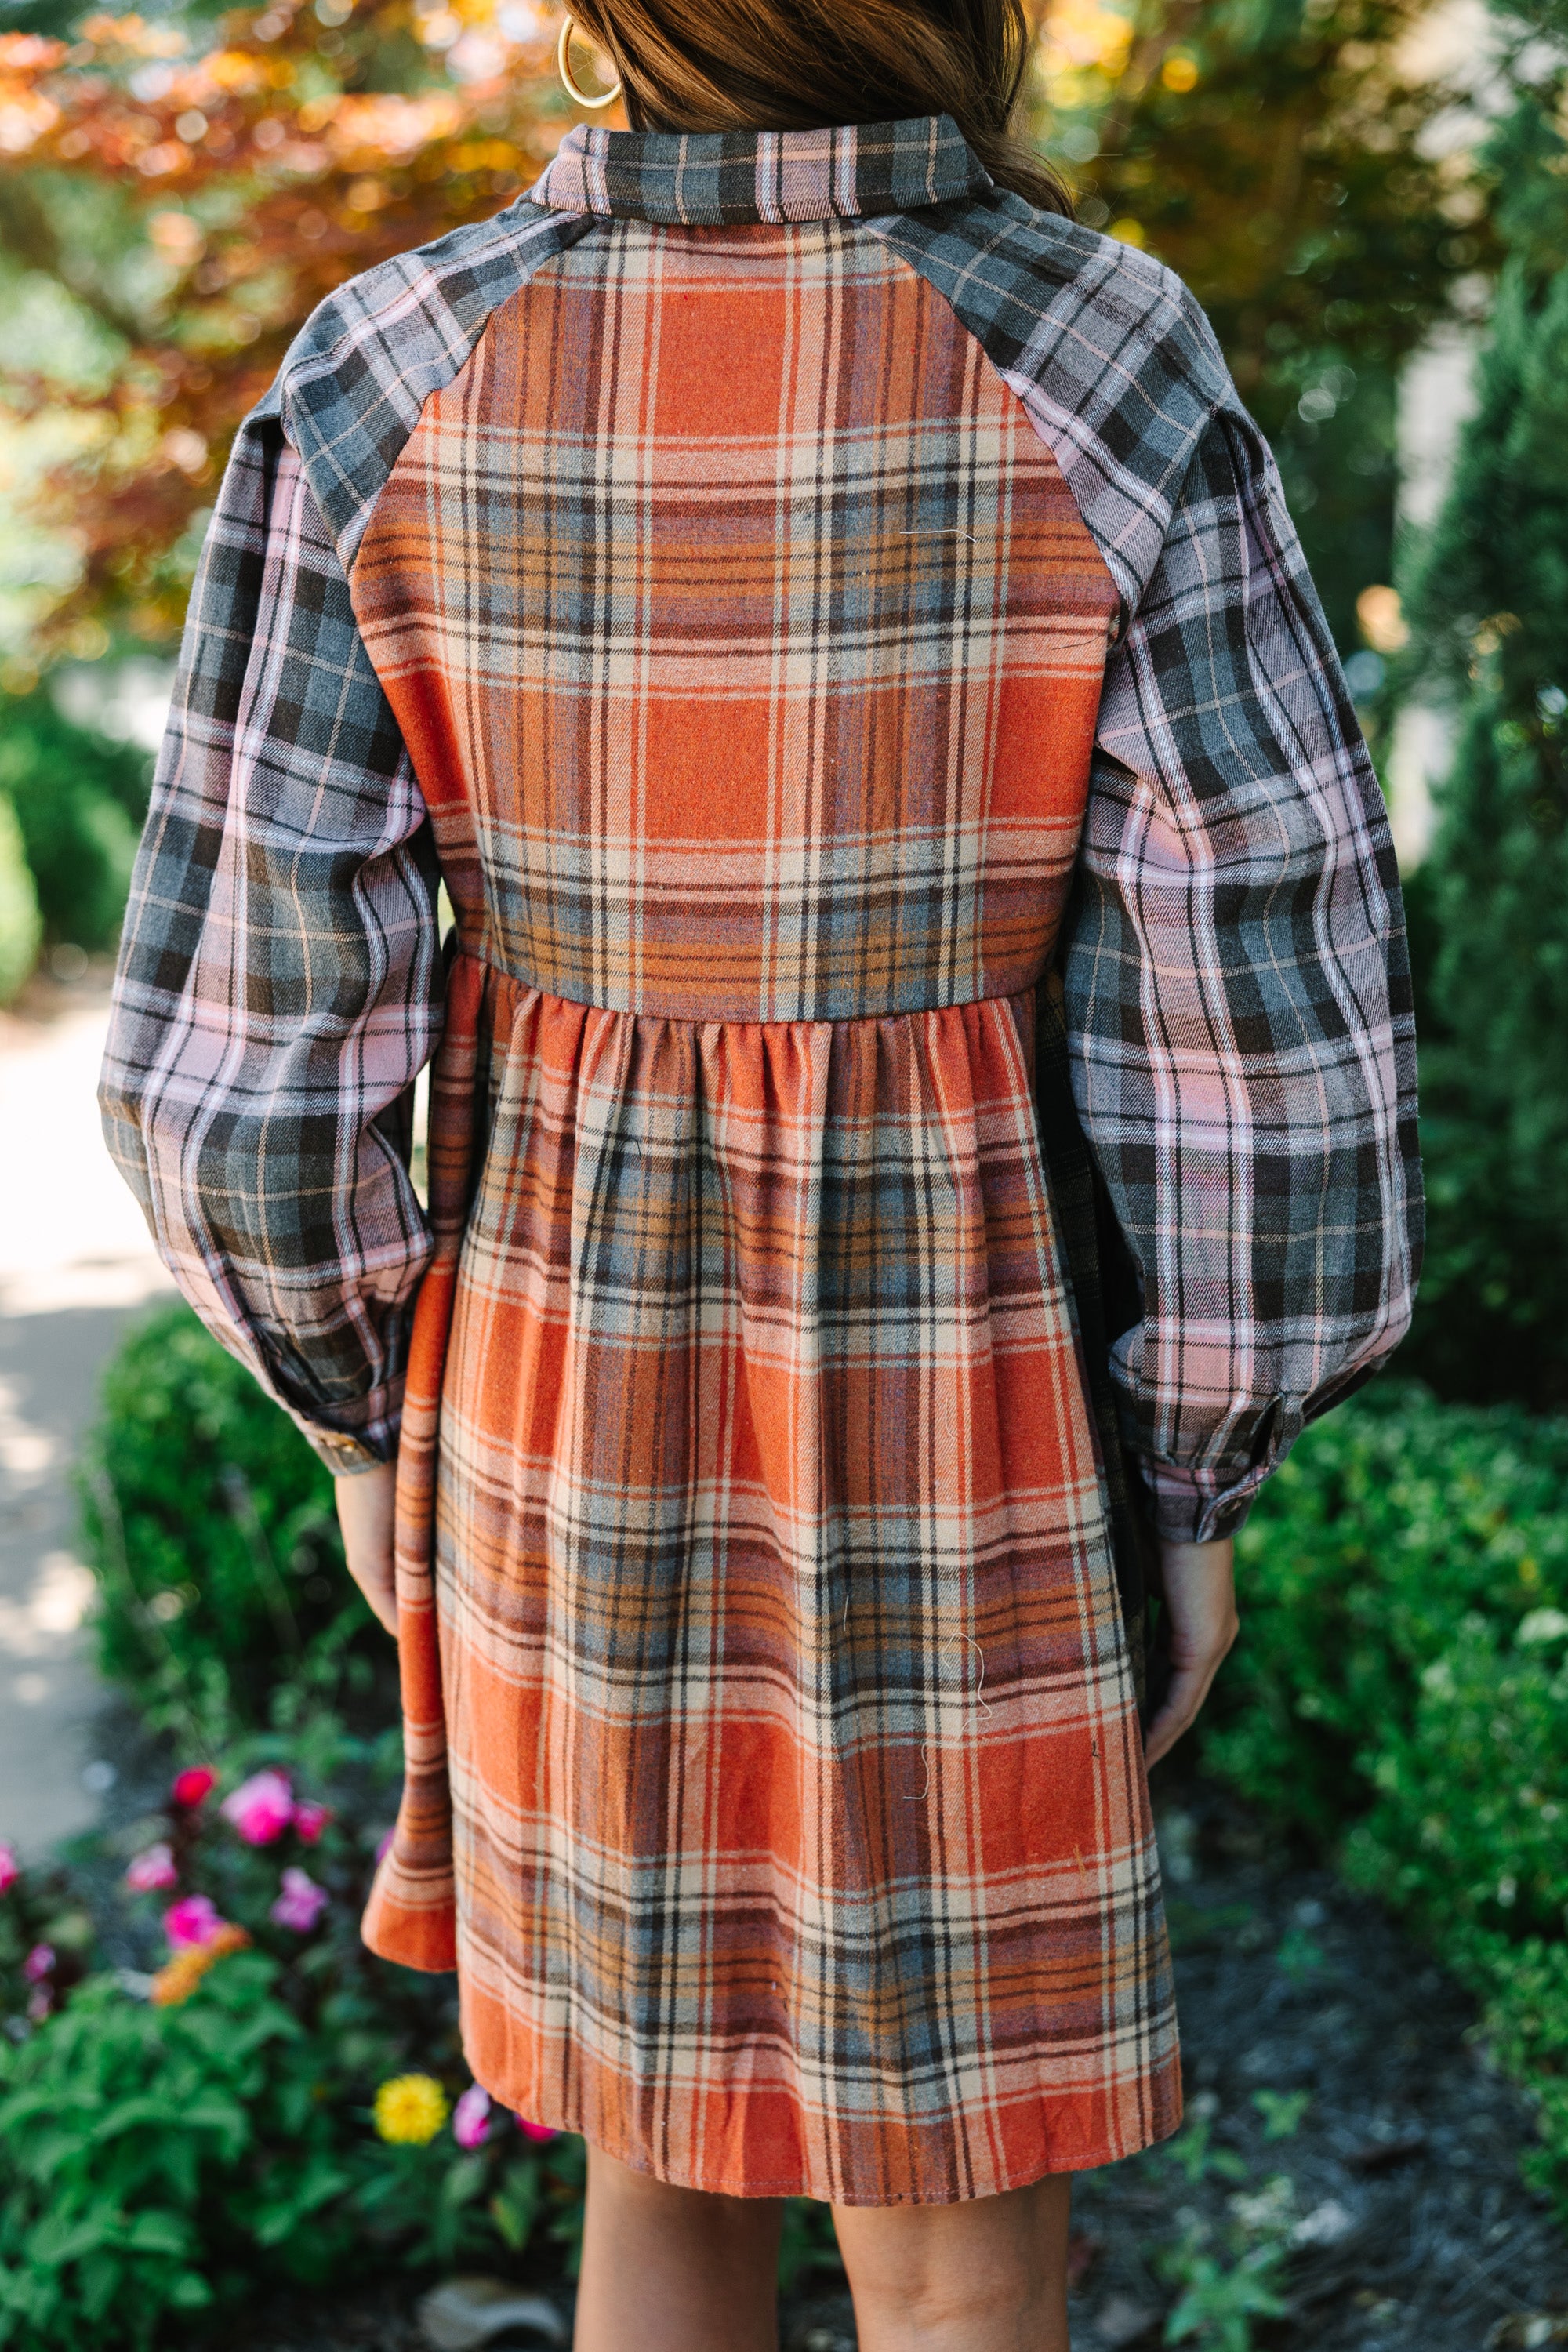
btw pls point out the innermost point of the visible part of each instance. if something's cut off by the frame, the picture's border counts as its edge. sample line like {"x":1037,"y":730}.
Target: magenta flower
{"x":40,"y":2004}
{"x":152,"y":1872}
{"x":536,"y":2131}
{"x":10,"y":1868}
{"x":38,"y":1963}
{"x":193,"y":1785}
{"x":190,"y":1921}
{"x":301,"y":1902}
{"x":309,"y":1820}
{"x":261,"y":1808}
{"x":471,"y":2117}
{"x":384,"y":1845}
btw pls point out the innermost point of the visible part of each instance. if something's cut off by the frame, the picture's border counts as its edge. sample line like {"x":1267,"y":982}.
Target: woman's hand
{"x":1200,"y":1594}
{"x":365,"y":1514}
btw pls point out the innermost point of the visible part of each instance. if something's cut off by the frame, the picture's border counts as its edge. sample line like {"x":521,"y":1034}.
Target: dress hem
{"x":1166,"y":2122}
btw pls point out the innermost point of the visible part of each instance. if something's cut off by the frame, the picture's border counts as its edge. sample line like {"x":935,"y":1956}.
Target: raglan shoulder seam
{"x":1110,"y":356}
{"x":356,"y":378}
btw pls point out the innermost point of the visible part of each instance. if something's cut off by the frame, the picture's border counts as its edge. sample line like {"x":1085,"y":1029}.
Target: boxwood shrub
{"x":1400,"y":1694}
{"x":21,"y":926}
{"x":209,"y":1526}
{"x":79,"y":800}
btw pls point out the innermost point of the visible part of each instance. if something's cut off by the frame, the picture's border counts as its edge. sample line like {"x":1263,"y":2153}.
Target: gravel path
{"x":76,"y":1268}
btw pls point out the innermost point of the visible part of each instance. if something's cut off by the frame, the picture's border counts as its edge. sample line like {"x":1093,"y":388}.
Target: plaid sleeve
{"x":1238,"y":999}
{"x":278,"y":984}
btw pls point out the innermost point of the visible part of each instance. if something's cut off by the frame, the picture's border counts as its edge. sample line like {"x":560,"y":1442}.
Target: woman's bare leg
{"x":989,"y":2275}
{"x":675,"y":2270}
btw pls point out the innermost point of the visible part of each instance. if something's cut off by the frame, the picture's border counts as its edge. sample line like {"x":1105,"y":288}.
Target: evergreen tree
{"x":1488,"y":598}
{"x":1280,"y":157}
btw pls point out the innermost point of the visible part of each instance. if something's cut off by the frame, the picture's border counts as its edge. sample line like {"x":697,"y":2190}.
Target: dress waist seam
{"x":523,"y":985}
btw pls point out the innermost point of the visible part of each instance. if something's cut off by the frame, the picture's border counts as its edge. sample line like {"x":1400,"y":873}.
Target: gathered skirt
{"x":774,"y":1773}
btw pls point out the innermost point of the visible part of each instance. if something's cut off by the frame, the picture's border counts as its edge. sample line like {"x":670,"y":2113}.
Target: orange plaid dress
{"x":774,"y":1628}
{"x":709,"y":569}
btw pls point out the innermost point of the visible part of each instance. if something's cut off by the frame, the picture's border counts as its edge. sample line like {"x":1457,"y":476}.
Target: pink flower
{"x":261,"y":1808}
{"x":384,"y":1845}
{"x":190,"y":1921}
{"x":39,"y":1961}
{"x":10,"y":1868}
{"x":535,"y":2131}
{"x":301,"y":1902}
{"x":40,"y":2004}
{"x":309,"y":1820}
{"x":471,"y":2117}
{"x":152,"y":1872}
{"x":193,"y":1785}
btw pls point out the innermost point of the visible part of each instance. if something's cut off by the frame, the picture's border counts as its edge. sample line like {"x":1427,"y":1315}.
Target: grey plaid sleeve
{"x":279,"y":978}
{"x":1239,"y":1000}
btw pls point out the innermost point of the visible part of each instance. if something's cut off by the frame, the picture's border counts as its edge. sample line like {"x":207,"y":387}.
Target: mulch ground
{"x":1415,"y":2234}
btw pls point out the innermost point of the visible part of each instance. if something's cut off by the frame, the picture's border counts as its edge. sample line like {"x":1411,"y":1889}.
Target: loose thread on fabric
{"x":983,"y":1704}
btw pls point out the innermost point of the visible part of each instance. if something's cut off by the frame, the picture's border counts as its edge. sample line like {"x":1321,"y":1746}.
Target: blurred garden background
{"x":206,"y":2089}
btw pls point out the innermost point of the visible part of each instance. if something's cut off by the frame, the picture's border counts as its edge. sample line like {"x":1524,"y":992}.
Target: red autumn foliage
{"x":229,"y":187}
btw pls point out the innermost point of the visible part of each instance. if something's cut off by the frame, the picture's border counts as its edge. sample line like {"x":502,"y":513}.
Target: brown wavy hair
{"x":798,"y":65}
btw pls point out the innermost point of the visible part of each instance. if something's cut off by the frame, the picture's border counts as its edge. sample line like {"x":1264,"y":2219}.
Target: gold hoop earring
{"x":564,"y":67}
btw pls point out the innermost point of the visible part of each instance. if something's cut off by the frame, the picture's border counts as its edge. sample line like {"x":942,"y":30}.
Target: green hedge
{"x":79,"y":800}
{"x":1400,"y":1694}
{"x":21,"y":926}
{"x":209,"y":1525}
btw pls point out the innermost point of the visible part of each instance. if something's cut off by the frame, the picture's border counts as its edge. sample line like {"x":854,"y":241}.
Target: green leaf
{"x":464,"y":2180}
{"x":57,"y":2239}
{"x":514,"y":2208}
{"x":159,"y":2233}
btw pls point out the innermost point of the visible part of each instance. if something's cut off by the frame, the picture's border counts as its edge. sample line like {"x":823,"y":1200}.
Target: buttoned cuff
{"x":1197,"y":1505}
{"x":345,"y":1457}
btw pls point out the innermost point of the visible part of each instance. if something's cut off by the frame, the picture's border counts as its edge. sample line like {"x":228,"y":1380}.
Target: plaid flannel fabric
{"x":1237,"y":987}
{"x":279,"y":984}
{"x":1237,"y":991}
{"x":746,"y":1468}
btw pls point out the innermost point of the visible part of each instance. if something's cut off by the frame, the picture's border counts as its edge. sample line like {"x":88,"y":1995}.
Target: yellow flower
{"x":410,"y":2110}
{"x":178,"y":1980}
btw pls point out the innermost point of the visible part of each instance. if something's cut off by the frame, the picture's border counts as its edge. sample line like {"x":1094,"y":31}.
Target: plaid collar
{"x":710,"y":179}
